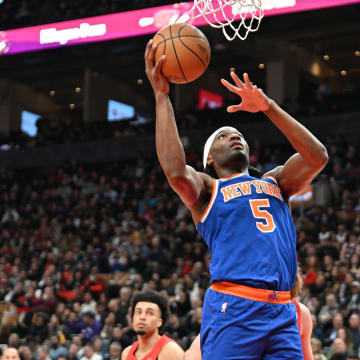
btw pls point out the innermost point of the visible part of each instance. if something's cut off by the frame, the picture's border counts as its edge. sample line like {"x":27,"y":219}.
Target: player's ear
{"x":160,"y":322}
{"x":210,"y":160}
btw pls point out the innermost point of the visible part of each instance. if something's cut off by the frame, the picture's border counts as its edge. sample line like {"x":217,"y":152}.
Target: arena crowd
{"x":77,"y":243}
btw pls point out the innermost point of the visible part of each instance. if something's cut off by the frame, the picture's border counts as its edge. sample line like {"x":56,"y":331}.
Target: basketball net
{"x":225,"y":14}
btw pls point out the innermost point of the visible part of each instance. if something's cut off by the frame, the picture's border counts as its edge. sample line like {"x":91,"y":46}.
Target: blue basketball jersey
{"x":250,"y":233}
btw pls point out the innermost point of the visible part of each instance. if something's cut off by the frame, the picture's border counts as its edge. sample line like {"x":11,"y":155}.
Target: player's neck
{"x":228,"y":172}
{"x":147,"y":342}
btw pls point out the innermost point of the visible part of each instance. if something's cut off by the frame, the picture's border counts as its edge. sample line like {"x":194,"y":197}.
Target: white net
{"x":237,"y":18}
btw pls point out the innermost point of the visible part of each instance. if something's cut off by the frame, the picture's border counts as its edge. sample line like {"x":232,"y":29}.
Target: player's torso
{"x":250,"y":233}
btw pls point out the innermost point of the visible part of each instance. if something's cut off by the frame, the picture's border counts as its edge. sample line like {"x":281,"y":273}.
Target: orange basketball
{"x":187,"y":52}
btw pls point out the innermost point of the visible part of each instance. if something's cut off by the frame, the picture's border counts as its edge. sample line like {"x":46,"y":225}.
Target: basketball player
{"x":304,"y":322}
{"x":245,"y":221}
{"x":10,"y":354}
{"x":150,"y":312}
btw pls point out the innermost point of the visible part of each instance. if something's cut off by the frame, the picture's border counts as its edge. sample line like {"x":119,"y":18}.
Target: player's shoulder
{"x":206,"y":179}
{"x":304,"y":310}
{"x":171,"y":350}
{"x":125,"y":352}
{"x":203,"y":175}
{"x":274,"y":173}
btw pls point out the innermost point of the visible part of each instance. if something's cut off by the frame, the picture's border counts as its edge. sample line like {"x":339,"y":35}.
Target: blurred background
{"x":87,"y":217}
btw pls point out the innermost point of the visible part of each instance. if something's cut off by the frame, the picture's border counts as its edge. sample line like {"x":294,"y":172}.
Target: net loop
{"x":225,"y":14}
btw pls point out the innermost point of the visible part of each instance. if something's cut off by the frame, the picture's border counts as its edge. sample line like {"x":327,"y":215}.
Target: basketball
{"x":187,"y":52}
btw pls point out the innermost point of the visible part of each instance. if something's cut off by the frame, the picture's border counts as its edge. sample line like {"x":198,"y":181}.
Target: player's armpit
{"x":295,"y":175}
{"x":171,"y":351}
{"x":189,"y":185}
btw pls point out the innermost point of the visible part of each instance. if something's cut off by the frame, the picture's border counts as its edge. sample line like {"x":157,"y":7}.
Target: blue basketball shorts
{"x":235,"y":328}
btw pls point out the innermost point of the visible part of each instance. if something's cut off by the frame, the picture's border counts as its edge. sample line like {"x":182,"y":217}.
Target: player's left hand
{"x":252,"y":98}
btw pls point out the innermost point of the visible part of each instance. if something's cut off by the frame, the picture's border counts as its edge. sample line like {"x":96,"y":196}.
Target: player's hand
{"x":252,"y":98}
{"x":153,"y":71}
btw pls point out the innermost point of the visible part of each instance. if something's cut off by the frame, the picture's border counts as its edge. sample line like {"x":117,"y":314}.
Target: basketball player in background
{"x":245,"y":221}
{"x":150,"y":312}
{"x":304,"y":322}
{"x":10,"y":354}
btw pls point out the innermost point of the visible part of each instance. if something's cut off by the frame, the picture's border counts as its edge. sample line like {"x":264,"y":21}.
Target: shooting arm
{"x":182,"y":178}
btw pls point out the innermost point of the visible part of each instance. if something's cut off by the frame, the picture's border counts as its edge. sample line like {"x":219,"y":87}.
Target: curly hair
{"x":296,"y":290}
{"x":155,"y":298}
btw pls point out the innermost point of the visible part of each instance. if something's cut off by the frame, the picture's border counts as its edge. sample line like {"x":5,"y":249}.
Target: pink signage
{"x":128,"y":24}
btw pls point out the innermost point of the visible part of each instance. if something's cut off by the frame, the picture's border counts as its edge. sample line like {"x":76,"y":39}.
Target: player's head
{"x":227,"y":148}
{"x":150,"y":312}
{"x":10,"y":354}
{"x":295,"y":291}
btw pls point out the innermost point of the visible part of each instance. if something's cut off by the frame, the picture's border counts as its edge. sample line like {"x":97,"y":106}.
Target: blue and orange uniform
{"x":155,"y":351}
{"x":248,"y":313}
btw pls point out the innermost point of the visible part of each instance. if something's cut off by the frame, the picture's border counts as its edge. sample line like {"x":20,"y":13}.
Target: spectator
{"x":354,"y":334}
{"x":109,"y":324}
{"x":114,"y":351}
{"x":337,"y":350}
{"x":316,"y":347}
{"x":73,"y":353}
{"x":89,"y":354}
{"x":25,"y":353}
{"x":42,"y":353}
{"x":88,"y":327}
{"x":10,"y":354}
{"x":47,"y":303}
{"x":89,"y":304}
{"x":332,"y":333}
{"x":56,"y":349}
{"x":99,"y":348}
{"x":329,"y":310}
{"x":13,"y":340}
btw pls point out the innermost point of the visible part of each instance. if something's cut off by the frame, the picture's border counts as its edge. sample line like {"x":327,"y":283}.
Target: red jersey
{"x":151,"y":355}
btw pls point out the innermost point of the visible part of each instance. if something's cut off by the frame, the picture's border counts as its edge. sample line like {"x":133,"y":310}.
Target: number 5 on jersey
{"x":267,"y":224}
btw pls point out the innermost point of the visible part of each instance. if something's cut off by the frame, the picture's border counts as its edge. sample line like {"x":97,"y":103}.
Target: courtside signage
{"x":128,"y":24}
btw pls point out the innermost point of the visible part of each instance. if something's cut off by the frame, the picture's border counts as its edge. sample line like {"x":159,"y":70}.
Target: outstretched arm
{"x":182,"y":178}
{"x":311,"y":157}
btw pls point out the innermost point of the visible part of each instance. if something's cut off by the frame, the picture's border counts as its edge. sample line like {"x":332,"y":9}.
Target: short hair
{"x":156,"y":298}
{"x":90,"y":314}
{"x":44,"y":348}
{"x":115,"y":343}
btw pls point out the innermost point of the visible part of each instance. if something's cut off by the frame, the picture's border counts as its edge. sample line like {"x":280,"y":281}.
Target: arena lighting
{"x":128,"y":24}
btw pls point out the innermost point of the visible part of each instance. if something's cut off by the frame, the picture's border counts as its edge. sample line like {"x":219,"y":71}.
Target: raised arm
{"x":187,"y":183}
{"x":311,"y":157}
